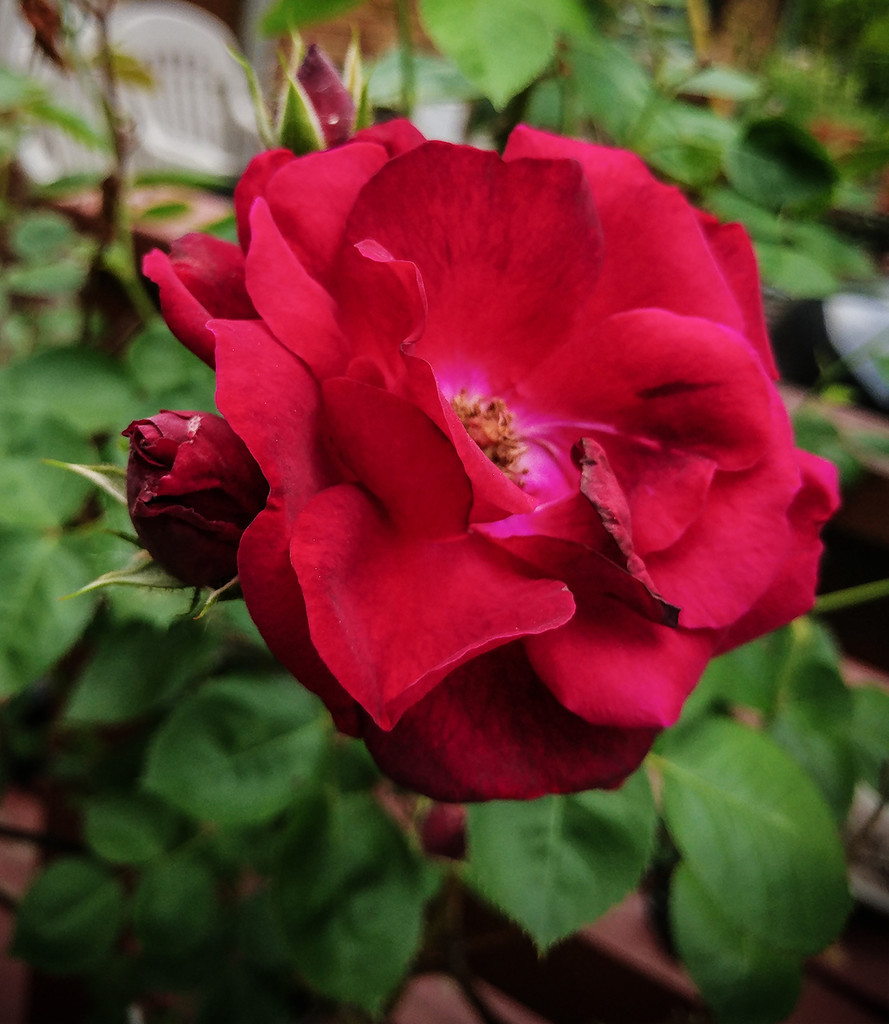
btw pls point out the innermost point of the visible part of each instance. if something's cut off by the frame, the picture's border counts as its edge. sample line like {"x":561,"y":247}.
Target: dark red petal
{"x":310,"y":199}
{"x":725,"y":561}
{"x":254,"y":180}
{"x":400,"y":456}
{"x":507,"y":253}
{"x":599,"y":486}
{"x":273,"y":403}
{"x":202,"y":278}
{"x":655,"y":252}
{"x":665,"y":489}
{"x":792,"y":590}
{"x":391,"y":614}
{"x":731,"y":246}
{"x":494,"y":494}
{"x":396,"y":137}
{"x":686,"y":384}
{"x":275,"y":602}
{"x":295,"y":308}
{"x":613,"y":666}
{"x":382,"y":307}
{"x":492,"y":731}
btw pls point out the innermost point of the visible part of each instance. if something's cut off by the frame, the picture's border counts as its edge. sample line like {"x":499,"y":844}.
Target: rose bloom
{"x":529,"y":470}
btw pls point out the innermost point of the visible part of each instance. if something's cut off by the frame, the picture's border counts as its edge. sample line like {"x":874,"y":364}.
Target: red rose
{"x":192,"y":489}
{"x":528,"y":467}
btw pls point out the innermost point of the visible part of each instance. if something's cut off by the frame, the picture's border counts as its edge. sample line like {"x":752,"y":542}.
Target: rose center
{"x":490,"y":424}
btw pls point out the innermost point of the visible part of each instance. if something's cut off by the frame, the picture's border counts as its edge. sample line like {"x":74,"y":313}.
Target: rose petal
{"x":275,"y":602}
{"x":297,"y":310}
{"x":665,"y":489}
{"x":491,"y":731}
{"x":731,"y":246}
{"x":259,"y":172}
{"x":656,"y":253}
{"x":396,"y":137}
{"x":310,"y":199}
{"x":400,"y":456}
{"x":382,"y":307}
{"x":507,"y":253}
{"x":683,"y":383}
{"x":724,"y":562}
{"x":391,"y":614}
{"x":273,"y":403}
{"x":494,"y":495}
{"x":202,"y":278}
{"x":791,"y":592}
{"x":613,"y":666}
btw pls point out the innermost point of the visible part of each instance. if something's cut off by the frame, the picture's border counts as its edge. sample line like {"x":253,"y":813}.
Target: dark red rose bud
{"x":192,"y":490}
{"x":443,"y":832}
{"x":331,"y":100}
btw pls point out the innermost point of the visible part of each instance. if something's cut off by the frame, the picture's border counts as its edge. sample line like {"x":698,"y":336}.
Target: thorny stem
{"x":851,"y":596}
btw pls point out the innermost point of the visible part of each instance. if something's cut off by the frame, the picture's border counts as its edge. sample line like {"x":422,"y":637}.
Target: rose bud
{"x":192,"y":489}
{"x":443,"y":832}
{"x":331,"y":100}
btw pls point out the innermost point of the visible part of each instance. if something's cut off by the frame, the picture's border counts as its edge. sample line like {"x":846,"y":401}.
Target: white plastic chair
{"x":198,"y":114}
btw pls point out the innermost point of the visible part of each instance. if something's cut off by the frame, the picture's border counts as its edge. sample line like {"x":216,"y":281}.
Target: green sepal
{"x":142,"y":571}
{"x":357,"y":84}
{"x":111,"y":479}
{"x":298,"y":128}
{"x":260,"y":109}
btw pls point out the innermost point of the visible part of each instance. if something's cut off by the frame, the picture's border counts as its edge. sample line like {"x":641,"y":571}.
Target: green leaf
{"x":175,"y":908}
{"x":42,"y":235}
{"x":287,"y":15}
{"x":64,"y":384}
{"x":869,"y":733}
{"x":816,"y":433}
{"x":755,"y":832}
{"x":69,"y":918}
{"x":436,"y":79}
{"x":687,"y":143}
{"x":501,"y":47}
{"x":130,"y":829}
{"x":723,"y":83}
{"x":780,"y":166}
{"x":351,"y":896}
{"x":236,"y":751}
{"x":612,"y":88}
{"x":798,"y":274}
{"x":764,"y":225}
{"x":166,"y":374}
{"x":745,"y":980}
{"x":560,"y":862}
{"x":813,"y":714}
{"x":748,"y":676}
{"x":52,"y":279}
{"x":31,"y":493}
{"x":135,"y":669}
{"x":36,"y":628}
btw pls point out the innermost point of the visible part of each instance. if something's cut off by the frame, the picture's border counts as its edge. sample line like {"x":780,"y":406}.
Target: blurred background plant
{"x":199,"y":809}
